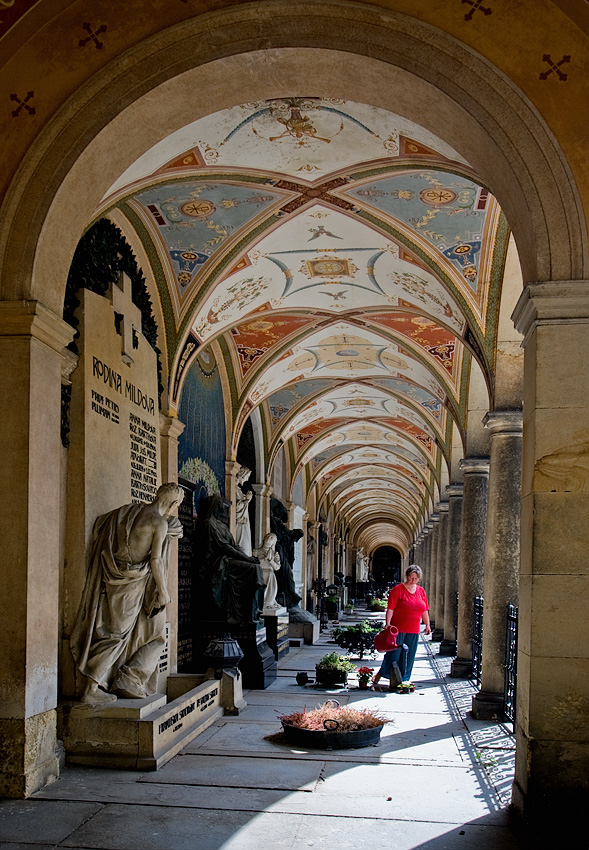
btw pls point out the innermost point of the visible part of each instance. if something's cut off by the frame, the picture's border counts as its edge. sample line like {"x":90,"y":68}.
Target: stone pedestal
{"x":310,"y":632}
{"x":472,"y":557}
{"x":501,"y":556}
{"x":438,"y":633}
{"x":258,"y":665}
{"x":277,"y":632}
{"x":231,"y":682}
{"x":552,"y":733}
{"x":454,"y":493}
{"x":137,"y":734}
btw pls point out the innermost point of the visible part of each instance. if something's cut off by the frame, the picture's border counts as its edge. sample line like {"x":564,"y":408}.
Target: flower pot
{"x":330,"y":677}
{"x":331,"y":739}
{"x":363,"y":686}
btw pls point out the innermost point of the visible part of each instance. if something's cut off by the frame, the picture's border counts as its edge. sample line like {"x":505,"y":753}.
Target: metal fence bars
{"x":510,"y":663}
{"x":477,"y":640}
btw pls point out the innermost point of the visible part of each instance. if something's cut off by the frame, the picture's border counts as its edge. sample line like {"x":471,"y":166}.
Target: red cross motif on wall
{"x":477,"y":5}
{"x":555,"y":67}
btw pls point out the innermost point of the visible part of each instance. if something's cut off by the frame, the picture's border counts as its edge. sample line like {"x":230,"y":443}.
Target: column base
{"x":461,"y":668}
{"x":447,"y":647}
{"x":30,"y":754}
{"x":437,"y":635}
{"x":488,"y":706}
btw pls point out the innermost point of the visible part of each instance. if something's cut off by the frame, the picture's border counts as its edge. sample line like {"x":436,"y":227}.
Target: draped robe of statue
{"x":119,"y":634}
{"x":270,"y":564}
{"x":230,"y":579}
{"x":243,"y":535}
{"x":285,"y":546}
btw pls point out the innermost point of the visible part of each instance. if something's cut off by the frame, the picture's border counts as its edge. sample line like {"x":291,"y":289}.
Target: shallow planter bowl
{"x":329,"y":739}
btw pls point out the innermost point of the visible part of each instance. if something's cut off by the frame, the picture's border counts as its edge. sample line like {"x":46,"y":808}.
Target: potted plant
{"x":332,"y":607}
{"x":357,"y":638}
{"x":333,"y":669}
{"x":349,"y":608}
{"x":331,"y":726}
{"x":378,"y":605}
{"x":364,"y":676}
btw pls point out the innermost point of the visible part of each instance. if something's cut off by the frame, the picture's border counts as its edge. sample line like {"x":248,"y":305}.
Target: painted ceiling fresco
{"x":347,"y":264}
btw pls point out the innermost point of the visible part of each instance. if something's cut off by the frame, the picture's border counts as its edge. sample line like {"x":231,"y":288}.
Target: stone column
{"x":32,"y":339}
{"x":552,"y":732}
{"x":454,"y":493}
{"x":433,"y":564}
{"x":262,"y":493}
{"x":438,"y":633}
{"x":170,"y":429}
{"x":427,"y":543}
{"x":501,"y":555}
{"x":472,"y":556}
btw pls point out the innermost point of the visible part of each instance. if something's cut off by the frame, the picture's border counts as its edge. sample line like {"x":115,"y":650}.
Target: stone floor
{"x":438,"y":780}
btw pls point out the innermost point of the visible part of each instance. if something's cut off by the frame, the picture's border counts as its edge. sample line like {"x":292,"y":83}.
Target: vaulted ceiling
{"x":347,"y":264}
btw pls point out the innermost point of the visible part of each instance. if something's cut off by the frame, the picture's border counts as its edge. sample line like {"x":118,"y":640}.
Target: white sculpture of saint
{"x":361,"y":565}
{"x":243,"y":536}
{"x":270,"y":564}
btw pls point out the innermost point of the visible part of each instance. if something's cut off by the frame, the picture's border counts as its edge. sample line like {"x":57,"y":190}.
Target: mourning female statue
{"x":230,"y":580}
{"x":119,"y":633}
{"x":243,"y":535}
{"x":285,"y":546}
{"x":270,"y":564}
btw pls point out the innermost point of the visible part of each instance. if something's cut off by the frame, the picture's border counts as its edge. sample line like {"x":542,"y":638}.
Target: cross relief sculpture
{"x":127,"y":316}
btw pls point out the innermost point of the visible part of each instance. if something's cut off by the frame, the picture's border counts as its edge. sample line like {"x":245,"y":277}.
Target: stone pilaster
{"x":472,"y":556}
{"x":454,"y":493}
{"x":170,"y":429}
{"x":232,"y":467}
{"x":32,"y":340}
{"x":552,"y":732}
{"x":438,"y":634}
{"x":262,"y":493}
{"x":501,"y":555}
{"x":426,"y":556}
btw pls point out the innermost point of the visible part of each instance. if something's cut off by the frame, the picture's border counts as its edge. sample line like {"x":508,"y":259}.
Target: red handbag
{"x":387,"y":639}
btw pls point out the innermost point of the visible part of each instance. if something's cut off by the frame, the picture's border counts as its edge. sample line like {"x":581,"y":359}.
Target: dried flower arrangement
{"x":329,"y":715}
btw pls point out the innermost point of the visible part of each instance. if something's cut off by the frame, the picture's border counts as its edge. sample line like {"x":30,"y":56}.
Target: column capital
{"x":504,"y":421}
{"x":551,"y":302}
{"x":170,"y":426}
{"x":471,"y":465}
{"x":455,"y":490}
{"x":33,"y":319}
{"x":442,"y":507}
{"x":262,"y":489}
{"x":435,"y":517}
{"x":232,"y":467}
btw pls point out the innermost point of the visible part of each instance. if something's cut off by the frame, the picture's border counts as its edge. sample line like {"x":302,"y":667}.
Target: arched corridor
{"x":327,"y":262}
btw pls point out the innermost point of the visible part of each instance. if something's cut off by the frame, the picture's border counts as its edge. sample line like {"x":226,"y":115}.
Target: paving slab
{"x":240,"y":772}
{"x":349,"y":834}
{"x":39,"y":821}
{"x":165,"y":828}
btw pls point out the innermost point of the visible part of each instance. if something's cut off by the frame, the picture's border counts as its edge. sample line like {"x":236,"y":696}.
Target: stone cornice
{"x":33,"y":319}
{"x":442,"y":507}
{"x":554,"y":302}
{"x":504,"y":422}
{"x":455,"y":490}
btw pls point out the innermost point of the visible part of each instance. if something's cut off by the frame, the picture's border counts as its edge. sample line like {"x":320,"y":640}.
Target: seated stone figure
{"x":230,"y":580}
{"x":119,"y":633}
{"x":270,"y":564}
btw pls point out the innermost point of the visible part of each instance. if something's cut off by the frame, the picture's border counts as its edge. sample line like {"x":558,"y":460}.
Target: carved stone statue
{"x":119,"y":633}
{"x":243,"y":535}
{"x":231,"y":581}
{"x":361,"y":565}
{"x":286,"y":539}
{"x":270,"y":564}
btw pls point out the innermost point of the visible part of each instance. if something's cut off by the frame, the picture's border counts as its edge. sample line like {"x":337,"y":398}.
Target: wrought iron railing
{"x":510,"y":663}
{"x":477,"y":639}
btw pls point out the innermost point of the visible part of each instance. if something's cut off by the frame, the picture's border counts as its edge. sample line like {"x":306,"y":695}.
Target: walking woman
{"x":406,"y":608}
